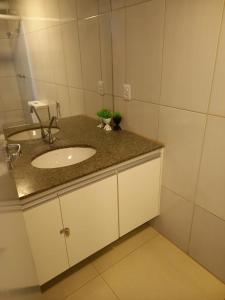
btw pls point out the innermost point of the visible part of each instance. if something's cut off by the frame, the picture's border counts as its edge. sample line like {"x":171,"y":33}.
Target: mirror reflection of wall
{"x":10,"y":101}
{"x":58,"y":50}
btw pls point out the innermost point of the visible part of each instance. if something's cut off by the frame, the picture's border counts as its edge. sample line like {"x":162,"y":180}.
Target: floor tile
{"x":96,"y":289}
{"x":160,"y":271}
{"x":123,"y":247}
{"x":70,"y":284}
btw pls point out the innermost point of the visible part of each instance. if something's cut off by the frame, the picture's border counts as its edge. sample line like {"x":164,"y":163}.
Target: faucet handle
{"x":13,"y":153}
{"x":58,"y":110}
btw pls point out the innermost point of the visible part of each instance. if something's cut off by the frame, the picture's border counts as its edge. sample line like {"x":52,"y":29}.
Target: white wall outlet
{"x":127,"y":91}
{"x":101,"y":87}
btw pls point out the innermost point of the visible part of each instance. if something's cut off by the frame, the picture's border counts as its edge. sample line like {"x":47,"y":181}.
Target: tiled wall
{"x":10,"y":101}
{"x":64,"y":49}
{"x":172,"y":52}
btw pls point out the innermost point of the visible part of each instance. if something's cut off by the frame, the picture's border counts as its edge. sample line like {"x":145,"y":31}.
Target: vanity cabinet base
{"x":69,"y":228}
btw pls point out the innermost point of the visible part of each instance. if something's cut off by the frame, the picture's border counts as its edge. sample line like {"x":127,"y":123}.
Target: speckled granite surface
{"x":112,"y":148}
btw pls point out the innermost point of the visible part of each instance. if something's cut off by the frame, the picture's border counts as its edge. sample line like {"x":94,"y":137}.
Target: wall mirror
{"x":58,"y":50}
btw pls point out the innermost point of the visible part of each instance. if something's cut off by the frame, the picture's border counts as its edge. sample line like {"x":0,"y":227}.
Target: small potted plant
{"x":101,"y":125}
{"x":116,"y":120}
{"x":106,"y":117}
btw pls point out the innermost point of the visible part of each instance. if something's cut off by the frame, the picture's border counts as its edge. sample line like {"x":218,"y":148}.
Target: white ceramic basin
{"x":31,"y":134}
{"x":63,"y":157}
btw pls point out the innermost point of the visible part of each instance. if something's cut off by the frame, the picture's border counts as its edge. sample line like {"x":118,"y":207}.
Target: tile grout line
{"x":80,"y":57}
{"x":162,"y":65}
{"x":205,"y":129}
{"x":88,"y":281}
{"x":194,"y":204}
{"x":114,"y":293}
{"x":171,"y":107}
{"x":128,"y":254}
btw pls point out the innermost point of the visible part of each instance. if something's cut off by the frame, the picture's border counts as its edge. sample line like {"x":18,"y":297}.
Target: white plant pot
{"x":107,"y":124}
{"x":107,"y":121}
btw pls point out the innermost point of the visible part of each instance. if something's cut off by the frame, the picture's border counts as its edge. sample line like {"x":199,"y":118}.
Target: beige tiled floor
{"x":142,"y":266}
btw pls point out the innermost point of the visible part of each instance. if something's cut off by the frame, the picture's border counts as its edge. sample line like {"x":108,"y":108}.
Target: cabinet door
{"x":91,"y":214}
{"x":43,"y":224}
{"x":139,"y":190}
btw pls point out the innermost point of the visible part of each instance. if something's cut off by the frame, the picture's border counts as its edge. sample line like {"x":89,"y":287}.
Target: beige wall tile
{"x":87,"y":8}
{"x":40,"y":60}
{"x":63,"y":98}
{"x":33,"y":15}
{"x":117,"y":3}
{"x":175,"y":218}
{"x":118,"y":36}
{"x":217,"y":104}
{"x":72,"y":54}
{"x":56,"y":53}
{"x":39,"y":14}
{"x":67,"y":10}
{"x":50,"y":93}
{"x":76,"y":102}
{"x":211,"y":188}
{"x":6,"y":59}
{"x":182,"y":133}
{"x":51,"y":12}
{"x":92,"y":103}
{"x":143,"y":118}
{"x":21,"y":55}
{"x":3,"y":29}
{"x":2,"y":120}
{"x":47,"y":93}
{"x":104,"y":6}
{"x":139,"y":117}
{"x":13,"y":117}
{"x":121,"y":106}
{"x":108,"y":102}
{"x":132,"y":2}
{"x":207,"y":242}
{"x":144,"y":49}
{"x":9,"y":95}
{"x":90,"y":53}
{"x":192,"y":29}
{"x":106,"y":51}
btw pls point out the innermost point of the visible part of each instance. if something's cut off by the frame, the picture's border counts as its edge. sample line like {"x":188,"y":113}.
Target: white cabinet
{"x":139,"y":193}
{"x":43,"y":224}
{"x":91,"y":214}
{"x":68,"y":229}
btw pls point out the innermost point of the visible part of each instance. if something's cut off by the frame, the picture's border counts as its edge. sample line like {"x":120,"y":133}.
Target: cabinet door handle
{"x":65,"y":231}
{"x":61,"y":231}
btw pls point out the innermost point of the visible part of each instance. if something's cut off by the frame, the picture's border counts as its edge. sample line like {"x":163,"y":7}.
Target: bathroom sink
{"x":31,"y":134}
{"x":63,"y":157}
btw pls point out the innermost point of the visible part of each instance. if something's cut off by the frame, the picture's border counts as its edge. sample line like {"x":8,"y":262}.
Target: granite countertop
{"x":112,"y":148}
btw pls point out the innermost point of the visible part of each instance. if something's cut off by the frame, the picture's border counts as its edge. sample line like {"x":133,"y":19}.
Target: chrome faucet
{"x":50,"y":138}
{"x":13,"y":153}
{"x":33,"y":110}
{"x":46,"y":134}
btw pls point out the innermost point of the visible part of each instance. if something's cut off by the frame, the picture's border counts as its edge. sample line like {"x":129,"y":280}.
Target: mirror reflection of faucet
{"x":46,"y":133}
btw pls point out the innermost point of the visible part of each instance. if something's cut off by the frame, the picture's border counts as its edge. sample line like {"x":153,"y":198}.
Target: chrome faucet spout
{"x":50,"y":137}
{"x":43,"y":133}
{"x":46,"y":134}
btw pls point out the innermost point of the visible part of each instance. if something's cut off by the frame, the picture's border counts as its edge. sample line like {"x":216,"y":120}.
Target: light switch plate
{"x":101,"y":87}
{"x":127,"y":91}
